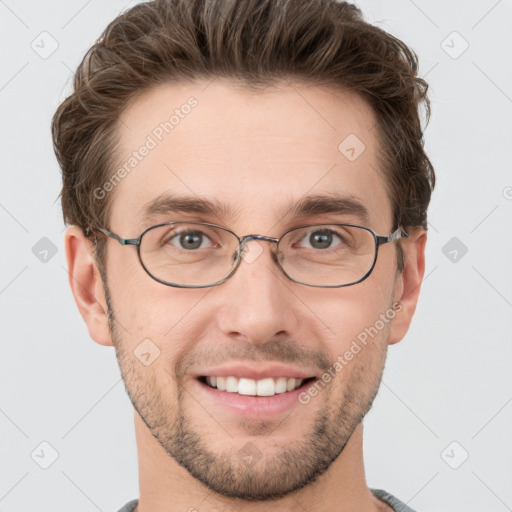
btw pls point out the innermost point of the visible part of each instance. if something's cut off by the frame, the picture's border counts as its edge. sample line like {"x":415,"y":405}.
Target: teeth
{"x":290,"y":384}
{"x":246,"y":386}
{"x":231,"y":384}
{"x":265,"y":387}
{"x":251,"y":387}
{"x":281,"y":385}
{"x":221,"y":383}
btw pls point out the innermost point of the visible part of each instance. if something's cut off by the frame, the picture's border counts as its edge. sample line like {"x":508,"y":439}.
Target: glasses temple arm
{"x":122,"y":241}
{"x":399,"y":233}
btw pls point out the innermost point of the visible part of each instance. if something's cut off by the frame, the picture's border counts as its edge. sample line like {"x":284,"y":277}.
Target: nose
{"x":257,"y":302}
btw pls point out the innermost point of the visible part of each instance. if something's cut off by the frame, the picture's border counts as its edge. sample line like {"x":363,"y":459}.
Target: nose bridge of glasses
{"x":246,"y":238}
{"x":243,"y":240}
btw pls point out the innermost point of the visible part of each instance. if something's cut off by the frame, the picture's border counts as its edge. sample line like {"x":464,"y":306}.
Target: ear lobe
{"x":86,"y":285}
{"x":408,"y":284}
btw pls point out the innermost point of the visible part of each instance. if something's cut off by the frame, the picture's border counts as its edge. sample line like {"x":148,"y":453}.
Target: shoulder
{"x":395,"y":504}
{"x":130,"y":506}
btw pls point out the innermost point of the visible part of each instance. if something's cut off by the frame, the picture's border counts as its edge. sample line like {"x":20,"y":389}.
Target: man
{"x":250,"y":361}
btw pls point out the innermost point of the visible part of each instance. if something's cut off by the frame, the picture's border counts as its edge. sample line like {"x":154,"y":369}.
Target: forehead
{"x":252,"y":154}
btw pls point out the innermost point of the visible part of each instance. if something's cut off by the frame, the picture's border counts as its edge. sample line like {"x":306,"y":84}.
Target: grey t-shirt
{"x":395,"y":503}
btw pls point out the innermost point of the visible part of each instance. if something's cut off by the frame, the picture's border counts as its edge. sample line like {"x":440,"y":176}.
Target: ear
{"x":86,"y":284}
{"x":408,"y":283}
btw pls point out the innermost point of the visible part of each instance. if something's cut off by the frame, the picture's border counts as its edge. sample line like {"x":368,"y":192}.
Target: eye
{"x":190,"y":240}
{"x":322,"y":238}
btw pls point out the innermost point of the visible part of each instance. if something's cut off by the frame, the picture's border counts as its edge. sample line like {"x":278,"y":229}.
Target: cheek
{"x":171,"y":318}
{"x":355,"y":314}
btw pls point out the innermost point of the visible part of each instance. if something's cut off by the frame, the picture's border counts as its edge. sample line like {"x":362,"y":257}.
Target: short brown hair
{"x":257,"y":43}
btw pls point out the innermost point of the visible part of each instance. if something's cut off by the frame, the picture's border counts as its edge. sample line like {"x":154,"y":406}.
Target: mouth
{"x":254,"y":391}
{"x":265,"y":387}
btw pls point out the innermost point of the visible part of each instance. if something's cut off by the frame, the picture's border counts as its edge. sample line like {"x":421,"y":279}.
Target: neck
{"x":167,"y":487}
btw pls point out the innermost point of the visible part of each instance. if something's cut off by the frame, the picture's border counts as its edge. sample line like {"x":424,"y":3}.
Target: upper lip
{"x":262,"y":371}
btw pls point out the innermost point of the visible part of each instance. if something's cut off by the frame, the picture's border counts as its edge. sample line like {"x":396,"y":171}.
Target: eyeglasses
{"x":199,"y":254}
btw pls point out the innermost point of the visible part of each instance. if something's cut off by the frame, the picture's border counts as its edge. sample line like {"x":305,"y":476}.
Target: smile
{"x":269,"y":386}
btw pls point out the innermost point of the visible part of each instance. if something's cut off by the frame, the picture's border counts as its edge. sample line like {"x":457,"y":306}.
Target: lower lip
{"x":253,"y":406}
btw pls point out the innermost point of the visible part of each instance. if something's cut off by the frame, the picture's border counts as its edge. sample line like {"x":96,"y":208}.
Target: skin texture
{"x":255,"y":152}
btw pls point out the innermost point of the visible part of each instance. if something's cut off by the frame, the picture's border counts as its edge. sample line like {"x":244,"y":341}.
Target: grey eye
{"x":189,"y":240}
{"x":322,"y":238}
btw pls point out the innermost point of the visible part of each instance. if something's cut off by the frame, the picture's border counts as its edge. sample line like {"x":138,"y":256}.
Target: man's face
{"x":258,"y":154}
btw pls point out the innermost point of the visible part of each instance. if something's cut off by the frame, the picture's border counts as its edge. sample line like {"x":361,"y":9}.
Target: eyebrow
{"x":325,"y":204}
{"x":166,"y":203}
{"x":310,"y":205}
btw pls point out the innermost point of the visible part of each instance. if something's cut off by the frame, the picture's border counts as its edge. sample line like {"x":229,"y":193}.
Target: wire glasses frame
{"x":378,"y":240}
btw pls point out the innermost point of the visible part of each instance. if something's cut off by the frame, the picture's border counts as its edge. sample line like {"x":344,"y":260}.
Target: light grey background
{"x":448,"y":381}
